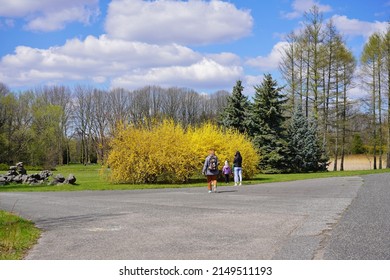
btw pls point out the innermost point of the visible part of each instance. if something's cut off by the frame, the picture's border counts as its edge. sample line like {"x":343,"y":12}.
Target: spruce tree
{"x":305,"y":153}
{"x":273,"y":150}
{"x":268,"y":106}
{"x":266,"y":126}
{"x":235,"y":114}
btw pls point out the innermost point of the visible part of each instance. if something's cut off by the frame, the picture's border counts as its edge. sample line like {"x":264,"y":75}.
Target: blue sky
{"x":203,"y":45}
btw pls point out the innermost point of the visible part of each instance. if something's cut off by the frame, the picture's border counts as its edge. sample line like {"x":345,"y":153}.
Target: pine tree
{"x":266,"y":126}
{"x":305,"y":153}
{"x":235,"y":114}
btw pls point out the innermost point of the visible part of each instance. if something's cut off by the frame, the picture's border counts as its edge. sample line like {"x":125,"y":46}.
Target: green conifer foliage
{"x":266,"y":126}
{"x":268,"y":107}
{"x":305,"y":153}
{"x":236,"y":112}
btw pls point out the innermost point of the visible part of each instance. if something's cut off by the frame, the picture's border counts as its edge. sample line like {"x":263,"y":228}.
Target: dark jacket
{"x":237,"y":162}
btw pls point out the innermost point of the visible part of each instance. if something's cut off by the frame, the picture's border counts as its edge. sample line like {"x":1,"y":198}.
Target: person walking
{"x":237,"y":163}
{"x":210,"y":169}
{"x":226,"y":170}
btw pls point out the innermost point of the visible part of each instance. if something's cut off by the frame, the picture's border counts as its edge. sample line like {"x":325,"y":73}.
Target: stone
{"x":59,"y":178}
{"x":3,"y":181}
{"x":71,"y":179}
{"x":18,"y":174}
{"x":20,"y":168}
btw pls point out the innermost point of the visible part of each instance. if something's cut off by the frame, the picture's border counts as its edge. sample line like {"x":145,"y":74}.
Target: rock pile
{"x":18,"y":174}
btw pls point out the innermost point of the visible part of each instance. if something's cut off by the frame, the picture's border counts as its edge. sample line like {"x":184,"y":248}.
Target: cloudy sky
{"x":199,"y":44}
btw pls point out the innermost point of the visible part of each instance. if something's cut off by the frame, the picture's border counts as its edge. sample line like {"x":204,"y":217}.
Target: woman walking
{"x":237,"y":163}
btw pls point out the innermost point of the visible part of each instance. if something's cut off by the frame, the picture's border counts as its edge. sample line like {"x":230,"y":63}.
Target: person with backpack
{"x":237,"y":163}
{"x":210,"y":170}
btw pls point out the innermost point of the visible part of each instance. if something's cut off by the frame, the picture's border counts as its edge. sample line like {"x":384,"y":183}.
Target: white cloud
{"x":355,"y":27}
{"x":57,"y":20}
{"x":49,"y":15}
{"x":271,"y":61}
{"x":124,"y":63}
{"x":183,"y":22}
{"x":204,"y":74}
{"x":302,"y":6}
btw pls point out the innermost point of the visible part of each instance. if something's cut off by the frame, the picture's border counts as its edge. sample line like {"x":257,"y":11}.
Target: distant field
{"x":358,"y":162}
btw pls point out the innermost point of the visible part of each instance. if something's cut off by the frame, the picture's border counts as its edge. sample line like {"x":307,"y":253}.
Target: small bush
{"x":3,"y":167}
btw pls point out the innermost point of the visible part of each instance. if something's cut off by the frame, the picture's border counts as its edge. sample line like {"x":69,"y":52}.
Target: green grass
{"x":17,"y":236}
{"x":89,"y":178}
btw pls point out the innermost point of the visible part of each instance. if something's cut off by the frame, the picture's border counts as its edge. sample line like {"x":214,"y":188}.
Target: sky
{"x":202,"y":45}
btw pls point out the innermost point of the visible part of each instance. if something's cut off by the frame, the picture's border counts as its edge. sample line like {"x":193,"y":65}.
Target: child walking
{"x":226,"y":170}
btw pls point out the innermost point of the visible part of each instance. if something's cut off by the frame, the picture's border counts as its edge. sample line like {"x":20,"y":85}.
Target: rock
{"x":18,"y":178}
{"x":59,"y":178}
{"x":3,"y":181}
{"x":46,"y":174}
{"x":71,"y":179}
{"x":20,"y":168}
{"x":10,"y":178}
{"x":31,"y":180}
{"x":17,"y":174}
{"x":12,"y":171}
{"x":24,"y":178}
{"x":36,"y":176}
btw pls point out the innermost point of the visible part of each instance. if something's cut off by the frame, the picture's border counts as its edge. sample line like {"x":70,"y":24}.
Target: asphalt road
{"x":333,"y":218}
{"x":363,"y":233}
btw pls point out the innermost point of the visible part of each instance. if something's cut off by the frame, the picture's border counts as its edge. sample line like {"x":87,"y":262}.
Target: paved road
{"x":292,"y":220}
{"x":364,"y":230}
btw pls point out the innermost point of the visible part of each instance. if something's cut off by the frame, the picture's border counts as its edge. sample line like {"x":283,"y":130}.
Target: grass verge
{"x":88,"y":178}
{"x":17,"y":236}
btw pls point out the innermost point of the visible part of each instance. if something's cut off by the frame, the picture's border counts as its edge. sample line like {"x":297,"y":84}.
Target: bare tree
{"x":83,"y":118}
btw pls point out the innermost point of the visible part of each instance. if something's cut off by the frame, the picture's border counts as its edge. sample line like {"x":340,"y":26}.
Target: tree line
{"x":320,"y":71}
{"x":56,"y":124}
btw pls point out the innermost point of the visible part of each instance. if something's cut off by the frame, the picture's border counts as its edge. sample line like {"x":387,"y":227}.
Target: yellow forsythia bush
{"x":166,"y":152}
{"x":225,"y":143}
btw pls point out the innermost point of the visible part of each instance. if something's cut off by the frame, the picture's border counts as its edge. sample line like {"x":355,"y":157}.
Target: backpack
{"x":213,"y":163}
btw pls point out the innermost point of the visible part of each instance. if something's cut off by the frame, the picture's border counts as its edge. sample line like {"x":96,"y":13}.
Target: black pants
{"x":226,"y":178}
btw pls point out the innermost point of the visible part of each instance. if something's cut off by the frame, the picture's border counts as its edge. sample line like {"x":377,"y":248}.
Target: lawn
{"x":89,"y":178}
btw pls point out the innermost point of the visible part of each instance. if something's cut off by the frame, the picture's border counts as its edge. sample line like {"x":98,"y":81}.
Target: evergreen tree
{"x":235,"y":114}
{"x":305,"y":153}
{"x":266,"y":126}
{"x":357,"y":145}
{"x":273,"y":151}
{"x":267,"y":107}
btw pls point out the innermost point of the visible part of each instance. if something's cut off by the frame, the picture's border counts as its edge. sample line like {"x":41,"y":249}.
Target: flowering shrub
{"x":225,"y":143}
{"x":167,"y":152}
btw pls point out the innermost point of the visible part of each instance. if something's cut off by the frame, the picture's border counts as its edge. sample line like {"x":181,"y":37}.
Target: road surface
{"x":332,"y":218}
